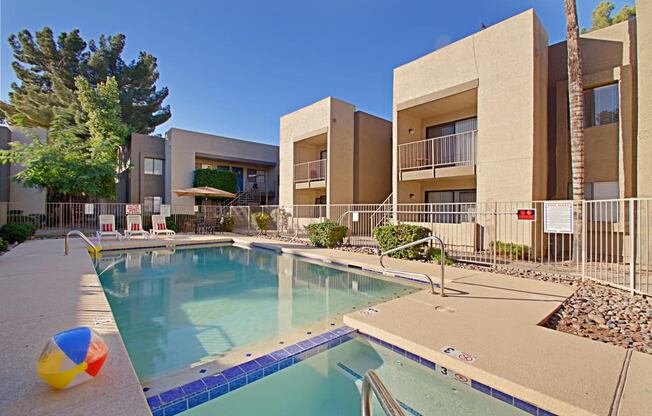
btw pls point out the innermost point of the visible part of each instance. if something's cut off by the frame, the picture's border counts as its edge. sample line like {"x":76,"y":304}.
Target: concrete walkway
{"x":43,"y":292}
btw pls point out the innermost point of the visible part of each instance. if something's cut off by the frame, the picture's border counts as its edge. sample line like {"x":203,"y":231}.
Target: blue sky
{"x":234,"y":67}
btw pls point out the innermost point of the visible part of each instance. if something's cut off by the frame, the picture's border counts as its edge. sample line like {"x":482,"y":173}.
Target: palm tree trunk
{"x":576,"y":107}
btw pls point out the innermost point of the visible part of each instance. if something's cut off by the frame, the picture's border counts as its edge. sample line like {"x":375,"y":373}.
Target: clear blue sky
{"x":234,"y":67}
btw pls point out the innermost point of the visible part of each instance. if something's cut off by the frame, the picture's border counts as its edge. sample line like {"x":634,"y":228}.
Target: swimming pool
{"x":177,"y":307}
{"x":329,"y":383}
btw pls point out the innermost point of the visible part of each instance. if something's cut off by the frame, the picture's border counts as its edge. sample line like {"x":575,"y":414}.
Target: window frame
{"x":152,"y":170}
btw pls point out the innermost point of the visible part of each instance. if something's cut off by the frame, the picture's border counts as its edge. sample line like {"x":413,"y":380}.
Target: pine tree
{"x":47,"y":69}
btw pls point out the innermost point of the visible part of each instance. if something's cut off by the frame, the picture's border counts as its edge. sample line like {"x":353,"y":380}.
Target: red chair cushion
{"x":135,"y":227}
{"x":160,"y":226}
{"x":107,"y":227}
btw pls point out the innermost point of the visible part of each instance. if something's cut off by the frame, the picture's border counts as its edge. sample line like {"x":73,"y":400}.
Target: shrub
{"x":392,"y":236}
{"x":220,"y":179}
{"x":326,"y":234}
{"x":16,"y":233}
{"x":509,"y":249}
{"x":169,"y":222}
{"x":3,"y":245}
{"x":434,"y":254}
{"x":225,"y":223}
{"x":263,"y":221}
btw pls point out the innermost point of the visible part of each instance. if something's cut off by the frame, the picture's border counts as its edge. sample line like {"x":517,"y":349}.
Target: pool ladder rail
{"x":412,"y":244}
{"x":88,"y":242}
{"x":372,"y":383}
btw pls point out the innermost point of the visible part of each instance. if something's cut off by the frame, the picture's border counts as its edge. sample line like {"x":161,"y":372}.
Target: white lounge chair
{"x":159,"y":226}
{"x":135,"y":226}
{"x":107,"y":228}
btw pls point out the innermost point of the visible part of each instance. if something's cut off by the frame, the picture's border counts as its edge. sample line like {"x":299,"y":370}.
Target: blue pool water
{"x":176,"y":307}
{"x":328,"y":384}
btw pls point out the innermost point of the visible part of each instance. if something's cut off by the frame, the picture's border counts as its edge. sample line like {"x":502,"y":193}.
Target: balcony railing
{"x":310,"y":171}
{"x":439,"y":152}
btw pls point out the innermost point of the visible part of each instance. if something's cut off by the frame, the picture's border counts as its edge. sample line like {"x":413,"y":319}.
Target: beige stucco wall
{"x":183,"y":147}
{"x":608,"y":56}
{"x":373,"y":159}
{"x":511,"y":105}
{"x":644,"y":44}
{"x":29,"y":200}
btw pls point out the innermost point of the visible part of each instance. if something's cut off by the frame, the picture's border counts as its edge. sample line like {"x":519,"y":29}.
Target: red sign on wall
{"x":527,"y":214}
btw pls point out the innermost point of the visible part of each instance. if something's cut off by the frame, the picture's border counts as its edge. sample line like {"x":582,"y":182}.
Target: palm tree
{"x":576,"y":107}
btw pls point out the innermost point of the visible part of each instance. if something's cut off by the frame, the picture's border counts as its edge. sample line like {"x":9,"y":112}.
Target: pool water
{"x":176,"y":307}
{"x":329,"y":384}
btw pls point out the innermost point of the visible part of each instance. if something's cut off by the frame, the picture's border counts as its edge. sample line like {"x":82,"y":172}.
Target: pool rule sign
{"x":558,"y":217}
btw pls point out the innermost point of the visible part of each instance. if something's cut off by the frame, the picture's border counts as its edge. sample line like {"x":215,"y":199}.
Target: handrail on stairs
{"x":415,"y":243}
{"x":83,"y":237}
{"x":372,"y":384}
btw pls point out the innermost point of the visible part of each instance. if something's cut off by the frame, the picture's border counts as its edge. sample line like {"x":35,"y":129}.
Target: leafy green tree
{"x":77,"y":164}
{"x":48,"y":69}
{"x":601,"y":15}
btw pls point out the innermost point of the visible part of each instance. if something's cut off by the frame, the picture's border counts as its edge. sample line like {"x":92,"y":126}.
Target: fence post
{"x":632,"y":245}
{"x":584,"y":232}
{"x":494,"y":241}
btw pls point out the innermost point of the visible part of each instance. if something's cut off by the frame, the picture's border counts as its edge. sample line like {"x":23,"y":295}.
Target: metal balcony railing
{"x":439,"y":152}
{"x":310,"y":171}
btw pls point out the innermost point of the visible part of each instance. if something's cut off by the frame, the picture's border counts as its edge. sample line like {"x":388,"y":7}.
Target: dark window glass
{"x":601,"y":105}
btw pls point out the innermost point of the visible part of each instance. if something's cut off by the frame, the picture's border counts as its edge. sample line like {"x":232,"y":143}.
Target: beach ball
{"x":72,"y":357}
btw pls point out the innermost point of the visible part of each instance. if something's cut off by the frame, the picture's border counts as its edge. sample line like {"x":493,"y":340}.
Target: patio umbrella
{"x":204,"y":191}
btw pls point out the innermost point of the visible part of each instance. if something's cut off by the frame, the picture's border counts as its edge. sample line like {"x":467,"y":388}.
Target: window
{"x":224,"y":168}
{"x":454,"y":127}
{"x":601,"y":210}
{"x":153,"y":204}
{"x":153,"y":166}
{"x":252,"y":174}
{"x":206,"y":166}
{"x":451,"y":206}
{"x":320,"y":200}
{"x":601,"y":105}
{"x":323,"y":154}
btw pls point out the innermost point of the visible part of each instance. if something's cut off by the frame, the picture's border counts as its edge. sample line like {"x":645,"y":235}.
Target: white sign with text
{"x":558,"y":217}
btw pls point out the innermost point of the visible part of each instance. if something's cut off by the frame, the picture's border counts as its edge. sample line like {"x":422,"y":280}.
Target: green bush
{"x":16,"y":233}
{"x":509,"y":249}
{"x":263,"y":221}
{"x":392,"y":236}
{"x":3,"y":245}
{"x":434,"y":254}
{"x":225,"y":223}
{"x":326,"y":234}
{"x":220,"y":179}
{"x":169,"y":222}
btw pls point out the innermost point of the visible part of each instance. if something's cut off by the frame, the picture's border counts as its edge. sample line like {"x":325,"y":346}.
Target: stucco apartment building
{"x":160,"y":165}
{"x":486,"y":118}
{"x":332,"y":153}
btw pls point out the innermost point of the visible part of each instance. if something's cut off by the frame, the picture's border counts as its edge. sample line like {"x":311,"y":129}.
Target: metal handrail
{"x":83,"y":237}
{"x":372,"y":383}
{"x":414,"y":243}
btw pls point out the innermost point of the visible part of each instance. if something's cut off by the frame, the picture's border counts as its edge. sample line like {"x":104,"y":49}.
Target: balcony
{"x":310,"y":174}
{"x":439,"y":157}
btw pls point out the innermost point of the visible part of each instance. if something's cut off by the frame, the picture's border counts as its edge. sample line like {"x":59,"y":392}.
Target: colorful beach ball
{"x":72,"y":357}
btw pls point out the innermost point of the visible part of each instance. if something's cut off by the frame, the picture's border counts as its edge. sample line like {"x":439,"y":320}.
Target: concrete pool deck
{"x":491,"y":316}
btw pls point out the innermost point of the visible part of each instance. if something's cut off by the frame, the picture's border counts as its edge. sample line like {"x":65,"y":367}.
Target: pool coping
{"x":201,"y":390}
{"x":184,"y":397}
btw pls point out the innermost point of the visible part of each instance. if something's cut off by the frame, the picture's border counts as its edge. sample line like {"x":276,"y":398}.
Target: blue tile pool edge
{"x":488,"y":390}
{"x":181,"y":398}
